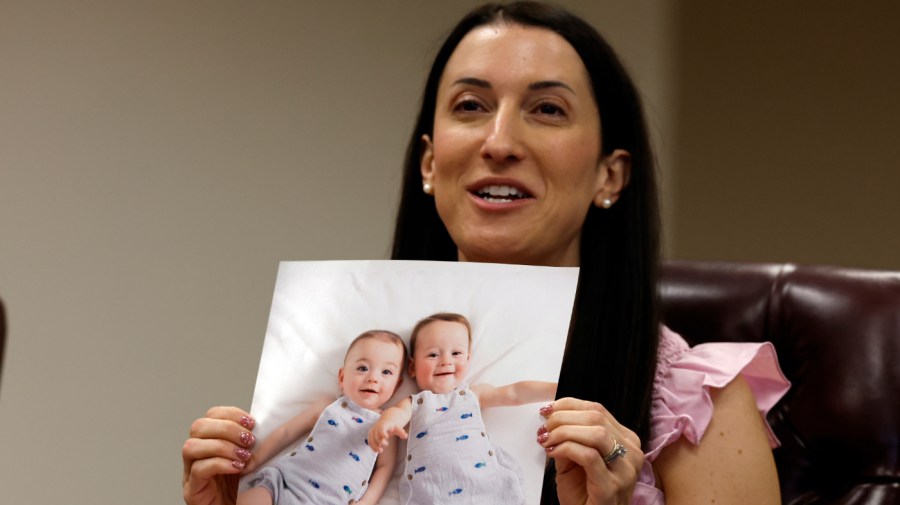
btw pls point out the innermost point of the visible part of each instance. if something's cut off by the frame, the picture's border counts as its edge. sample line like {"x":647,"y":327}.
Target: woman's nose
{"x":503,"y":142}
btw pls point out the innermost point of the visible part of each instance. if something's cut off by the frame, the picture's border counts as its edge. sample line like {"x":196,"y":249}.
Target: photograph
{"x":406,"y":382}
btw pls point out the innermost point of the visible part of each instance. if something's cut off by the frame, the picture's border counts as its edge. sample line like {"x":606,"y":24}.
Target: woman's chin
{"x":511,"y":256}
{"x":514,"y":249}
{"x":496,"y":251}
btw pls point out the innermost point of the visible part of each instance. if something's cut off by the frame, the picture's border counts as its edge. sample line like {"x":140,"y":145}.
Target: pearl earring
{"x":426,"y":188}
{"x":606,"y":203}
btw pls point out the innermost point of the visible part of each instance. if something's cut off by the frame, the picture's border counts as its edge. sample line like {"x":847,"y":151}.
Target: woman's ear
{"x":426,"y":162}
{"x":612,"y":177}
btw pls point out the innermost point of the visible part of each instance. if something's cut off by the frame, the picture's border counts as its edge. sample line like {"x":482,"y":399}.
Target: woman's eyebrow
{"x":549,"y":84}
{"x":473,"y":81}
{"x":481,"y":83}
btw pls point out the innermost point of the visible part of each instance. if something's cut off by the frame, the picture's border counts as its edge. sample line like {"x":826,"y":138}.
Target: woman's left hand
{"x":578,"y":435}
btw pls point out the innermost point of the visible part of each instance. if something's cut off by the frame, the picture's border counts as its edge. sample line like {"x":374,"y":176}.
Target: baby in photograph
{"x":334,"y":464}
{"x":449,"y":454}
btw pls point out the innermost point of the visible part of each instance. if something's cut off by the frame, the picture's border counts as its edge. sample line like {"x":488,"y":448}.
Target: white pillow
{"x":519,"y":315}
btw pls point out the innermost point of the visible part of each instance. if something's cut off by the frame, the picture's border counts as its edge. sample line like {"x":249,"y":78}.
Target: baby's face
{"x":371,"y":372}
{"x":442,"y":356}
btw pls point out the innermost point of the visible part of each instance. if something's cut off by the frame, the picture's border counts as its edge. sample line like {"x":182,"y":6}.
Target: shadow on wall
{"x":786,"y":143}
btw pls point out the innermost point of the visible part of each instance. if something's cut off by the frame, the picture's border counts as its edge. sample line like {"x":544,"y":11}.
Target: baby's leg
{"x":255,"y":496}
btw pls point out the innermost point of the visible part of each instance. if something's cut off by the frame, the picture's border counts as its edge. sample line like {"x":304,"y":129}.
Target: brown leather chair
{"x":837,"y":332}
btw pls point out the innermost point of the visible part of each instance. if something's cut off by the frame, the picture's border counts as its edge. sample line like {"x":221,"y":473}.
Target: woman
{"x":531,"y":148}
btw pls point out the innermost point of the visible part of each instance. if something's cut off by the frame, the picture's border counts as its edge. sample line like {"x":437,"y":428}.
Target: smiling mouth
{"x":501,"y":193}
{"x":369,"y":391}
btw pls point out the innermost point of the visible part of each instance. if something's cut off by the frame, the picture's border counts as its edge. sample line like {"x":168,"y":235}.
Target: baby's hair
{"x":449,"y":317}
{"x":383,"y":335}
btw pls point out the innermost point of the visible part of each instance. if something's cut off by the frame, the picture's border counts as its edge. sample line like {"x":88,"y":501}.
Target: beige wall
{"x":157,"y":159}
{"x":787,"y":132}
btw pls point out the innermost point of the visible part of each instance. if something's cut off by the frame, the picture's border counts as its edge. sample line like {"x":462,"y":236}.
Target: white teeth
{"x":500,"y":192}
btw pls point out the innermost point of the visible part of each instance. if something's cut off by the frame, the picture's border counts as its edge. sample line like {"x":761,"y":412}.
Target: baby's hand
{"x":381,"y":433}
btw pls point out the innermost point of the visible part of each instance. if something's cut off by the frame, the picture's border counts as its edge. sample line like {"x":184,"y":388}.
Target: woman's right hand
{"x":215,"y":455}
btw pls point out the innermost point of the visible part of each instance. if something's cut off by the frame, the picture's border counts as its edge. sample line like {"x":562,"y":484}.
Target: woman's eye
{"x":468,"y":106}
{"x":550,"y":109}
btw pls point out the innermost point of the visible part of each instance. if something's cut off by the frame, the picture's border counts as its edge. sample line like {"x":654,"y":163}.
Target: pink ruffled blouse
{"x":681,"y":404}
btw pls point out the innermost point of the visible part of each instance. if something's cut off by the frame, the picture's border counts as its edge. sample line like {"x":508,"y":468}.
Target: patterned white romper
{"x":332,"y":466}
{"x":450,"y":458}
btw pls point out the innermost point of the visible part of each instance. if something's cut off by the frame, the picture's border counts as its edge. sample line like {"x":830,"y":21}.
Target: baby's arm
{"x":286,"y":434}
{"x":381,"y":477}
{"x":517,"y":393}
{"x":389,"y":425}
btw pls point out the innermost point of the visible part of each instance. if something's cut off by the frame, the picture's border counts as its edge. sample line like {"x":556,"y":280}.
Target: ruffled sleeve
{"x":681,"y":404}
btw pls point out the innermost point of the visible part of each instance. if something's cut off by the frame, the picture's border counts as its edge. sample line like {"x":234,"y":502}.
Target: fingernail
{"x":546,"y":410}
{"x":247,"y":438}
{"x":238,"y":464}
{"x":548,"y":450}
{"x":243,"y":454}
{"x":543,"y":437}
{"x":541,"y":430}
{"x":247,"y":422}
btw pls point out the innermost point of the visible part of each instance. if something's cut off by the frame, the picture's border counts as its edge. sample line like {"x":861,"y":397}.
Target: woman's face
{"x":514,"y":161}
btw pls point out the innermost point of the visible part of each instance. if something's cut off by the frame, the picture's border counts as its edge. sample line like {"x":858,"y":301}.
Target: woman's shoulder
{"x":681,"y":402}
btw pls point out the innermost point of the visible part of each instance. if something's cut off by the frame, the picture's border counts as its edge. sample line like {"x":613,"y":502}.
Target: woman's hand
{"x":215,"y":454}
{"x":578,"y":435}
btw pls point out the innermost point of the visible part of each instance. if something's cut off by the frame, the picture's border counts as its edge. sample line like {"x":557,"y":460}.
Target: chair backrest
{"x":837,"y":332}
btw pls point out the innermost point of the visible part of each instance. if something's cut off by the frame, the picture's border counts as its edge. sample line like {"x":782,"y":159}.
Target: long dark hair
{"x":611,"y":350}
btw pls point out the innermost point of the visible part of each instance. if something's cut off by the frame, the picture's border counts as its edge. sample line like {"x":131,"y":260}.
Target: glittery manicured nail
{"x":238,"y":464}
{"x":247,"y":438}
{"x":247,"y":422}
{"x":242,"y":454}
{"x":546,"y":410}
{"x":542,"y":430}
{"x":543,"y":437}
